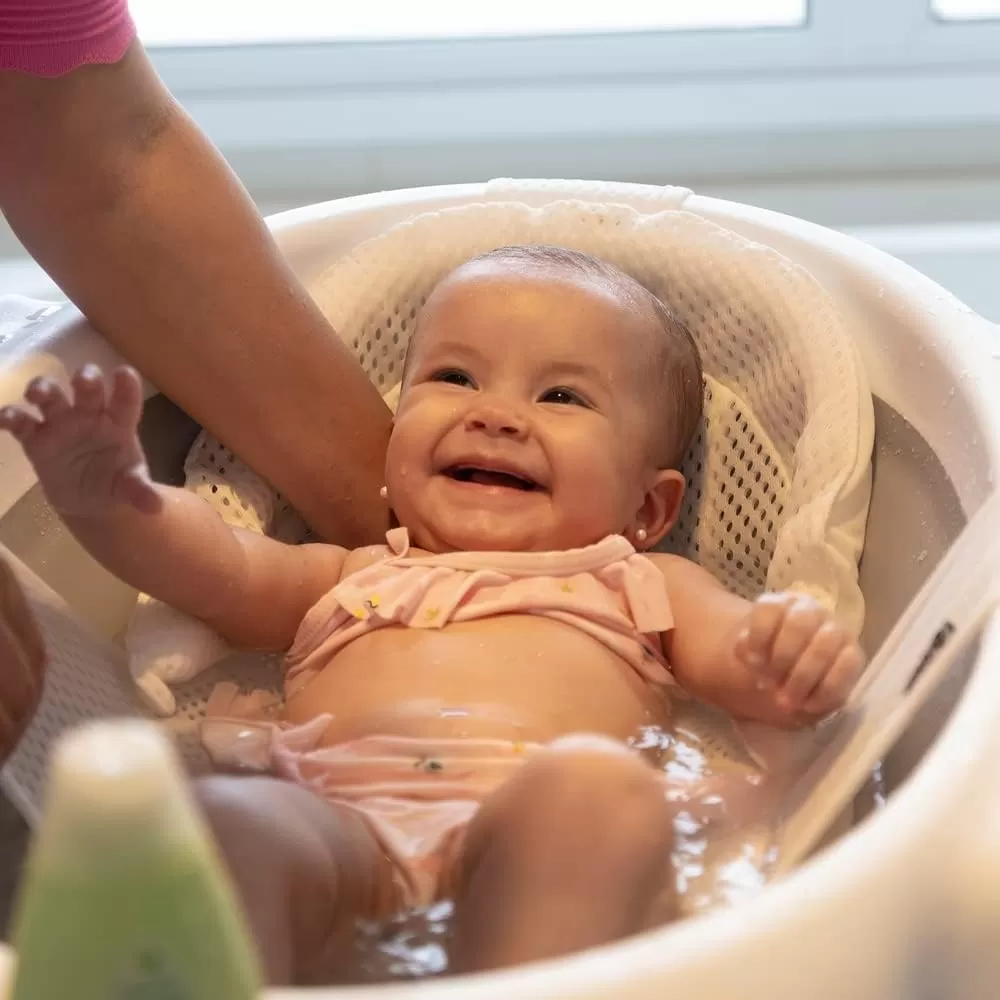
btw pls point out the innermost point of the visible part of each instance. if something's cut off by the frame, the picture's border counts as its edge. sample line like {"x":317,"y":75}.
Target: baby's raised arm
{"x":782,"y":659}
{"x":166,"y":542}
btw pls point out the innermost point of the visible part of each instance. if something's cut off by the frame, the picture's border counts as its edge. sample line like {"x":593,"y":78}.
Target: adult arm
{"x":127,"y":205}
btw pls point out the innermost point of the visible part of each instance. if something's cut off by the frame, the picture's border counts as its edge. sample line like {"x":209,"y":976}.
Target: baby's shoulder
{"x":666,"y":562}
{"x":677,"y":571}
{"x":359,"y":559}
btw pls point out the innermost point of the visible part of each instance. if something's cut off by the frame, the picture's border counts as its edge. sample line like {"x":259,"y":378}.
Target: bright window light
{"x":225,"y":22}
{"x":966,"y":10}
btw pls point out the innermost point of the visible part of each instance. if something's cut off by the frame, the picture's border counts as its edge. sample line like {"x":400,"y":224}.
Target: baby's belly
{"x":518,"y":677}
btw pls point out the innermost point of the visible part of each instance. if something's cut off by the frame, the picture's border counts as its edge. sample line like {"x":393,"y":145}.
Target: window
{"x":185,"y":22}
{"x":313,"y":99}
{"x":966,"y":10}
{"x":848,"y":112}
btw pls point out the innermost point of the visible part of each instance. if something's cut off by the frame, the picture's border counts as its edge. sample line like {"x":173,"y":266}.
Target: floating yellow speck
{"x":566,"y":587}
{"x":373,"y":601}
{"x":432,"y":613}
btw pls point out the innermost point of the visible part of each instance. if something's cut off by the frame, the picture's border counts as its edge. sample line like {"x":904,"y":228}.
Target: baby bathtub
{"x":905,"y":905}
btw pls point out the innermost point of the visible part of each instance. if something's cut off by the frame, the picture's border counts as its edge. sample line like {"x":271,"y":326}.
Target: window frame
{"x":861,"y":86}
{"x":837,"y":36}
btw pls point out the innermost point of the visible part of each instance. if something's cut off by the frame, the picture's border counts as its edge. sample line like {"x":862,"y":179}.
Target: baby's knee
{"x":271,"y":831}
{"x":263,"y":821}
{"x":228,"y":805}
{"x":282,"y":871}
{"x":243,"y":824}
{"x":587,"y":787}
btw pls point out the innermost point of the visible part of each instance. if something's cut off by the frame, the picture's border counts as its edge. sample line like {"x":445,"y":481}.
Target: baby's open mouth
{"x":491,"y":477}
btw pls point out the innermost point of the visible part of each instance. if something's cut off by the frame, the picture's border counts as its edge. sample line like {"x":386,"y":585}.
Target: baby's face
{"x":521,"y":425}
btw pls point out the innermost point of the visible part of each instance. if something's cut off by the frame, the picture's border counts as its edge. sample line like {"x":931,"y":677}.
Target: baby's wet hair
{"x":672,"y":368}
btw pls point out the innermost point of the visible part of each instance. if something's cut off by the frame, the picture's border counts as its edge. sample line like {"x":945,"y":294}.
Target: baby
{"x":437,"y":685}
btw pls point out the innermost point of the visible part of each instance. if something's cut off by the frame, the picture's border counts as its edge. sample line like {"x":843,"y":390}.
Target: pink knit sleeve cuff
{"x":52,"y":37}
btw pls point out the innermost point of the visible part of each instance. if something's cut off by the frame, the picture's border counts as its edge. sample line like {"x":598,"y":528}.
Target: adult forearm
{"x":127,"y":205}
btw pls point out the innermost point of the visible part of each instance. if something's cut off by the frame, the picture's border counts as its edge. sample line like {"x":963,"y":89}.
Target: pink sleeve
{"x":52,"y":37}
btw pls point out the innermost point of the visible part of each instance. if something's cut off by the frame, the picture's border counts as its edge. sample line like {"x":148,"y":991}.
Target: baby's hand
{"x":795,"y":649}
{"x":86,"y":451}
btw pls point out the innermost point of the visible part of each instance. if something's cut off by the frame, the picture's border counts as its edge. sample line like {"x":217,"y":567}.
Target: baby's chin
{"x":498,"y":537}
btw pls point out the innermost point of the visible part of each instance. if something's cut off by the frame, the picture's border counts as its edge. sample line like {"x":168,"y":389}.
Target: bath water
{"x":723,"y":852}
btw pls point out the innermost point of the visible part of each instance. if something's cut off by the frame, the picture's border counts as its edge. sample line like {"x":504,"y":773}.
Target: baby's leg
{"x":571,"y":852}
{"x":304,"y":870}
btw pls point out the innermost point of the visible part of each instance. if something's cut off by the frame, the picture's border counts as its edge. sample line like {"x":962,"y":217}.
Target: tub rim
{"x":911,"y":820}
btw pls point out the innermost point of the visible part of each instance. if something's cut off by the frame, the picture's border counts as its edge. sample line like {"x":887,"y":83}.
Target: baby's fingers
{"x":89,"y":394}
{"x":125,"y":403}
{"x":804,"y":617}
{"x":755,"y":641}
{"x":19,"y":422}
{"x":813,"y":665}
{"x":48,"y":395}
{"x":834,"y":689}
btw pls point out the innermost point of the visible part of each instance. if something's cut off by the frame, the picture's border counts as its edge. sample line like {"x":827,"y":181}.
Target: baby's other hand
{"x":85,"y":449}
{"x":795,"y":648}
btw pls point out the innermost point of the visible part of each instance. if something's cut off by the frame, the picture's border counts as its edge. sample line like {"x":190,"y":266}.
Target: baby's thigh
{"x":575,"y":791}
{"x":303,"y":869}
{"x":572,"y":851}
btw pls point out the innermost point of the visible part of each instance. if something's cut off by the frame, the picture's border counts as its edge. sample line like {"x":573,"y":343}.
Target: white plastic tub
{"x":907,"y":904}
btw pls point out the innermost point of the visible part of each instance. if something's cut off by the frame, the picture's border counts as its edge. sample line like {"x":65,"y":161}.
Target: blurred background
{"x":877,"y":117}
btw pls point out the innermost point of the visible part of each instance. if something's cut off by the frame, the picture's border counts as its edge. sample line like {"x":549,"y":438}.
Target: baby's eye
{"x":453,"y":376}
{"x":566,"y":397}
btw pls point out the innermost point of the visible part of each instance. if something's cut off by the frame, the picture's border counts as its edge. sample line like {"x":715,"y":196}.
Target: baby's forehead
{"x":547,"y":304}
{"x":559,"y":317}
{"x":544,"y":289}
{"x":536,"y":273}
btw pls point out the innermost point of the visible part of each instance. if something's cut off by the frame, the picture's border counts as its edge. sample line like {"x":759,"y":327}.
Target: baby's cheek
{"x":596,"y":498}
{"x":408,"y":442}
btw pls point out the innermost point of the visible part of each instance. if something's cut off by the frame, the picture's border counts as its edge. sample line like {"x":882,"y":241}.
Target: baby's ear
{"x":659,"y":511}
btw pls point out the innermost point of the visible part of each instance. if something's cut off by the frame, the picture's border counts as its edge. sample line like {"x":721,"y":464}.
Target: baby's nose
{"x":495,"y":418}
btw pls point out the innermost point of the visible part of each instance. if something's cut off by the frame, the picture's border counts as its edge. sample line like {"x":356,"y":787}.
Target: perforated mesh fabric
{"x":240,"y":496}
{"x":253,"y":670}
{"x":86,"y":678}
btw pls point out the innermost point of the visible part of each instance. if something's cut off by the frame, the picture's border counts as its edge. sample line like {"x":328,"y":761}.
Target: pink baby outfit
{"x":607,"y":590}
{"x":52,"y":37}
{"x":419,"y":795}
